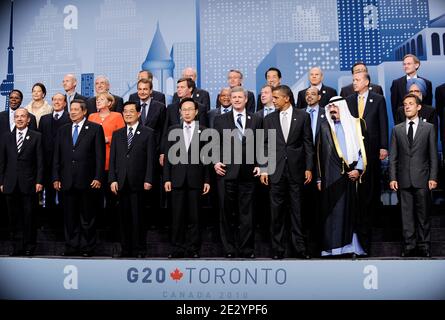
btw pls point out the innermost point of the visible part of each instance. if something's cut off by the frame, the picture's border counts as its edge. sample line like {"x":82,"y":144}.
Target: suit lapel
{"x":404,"y":135}
{"x":293,"y":123}
{"x":321,"y":116}
{"x":368,"y":104}
{"x":276,"y":119}
{"x":150,"y":113}
{"x":419,"y":131}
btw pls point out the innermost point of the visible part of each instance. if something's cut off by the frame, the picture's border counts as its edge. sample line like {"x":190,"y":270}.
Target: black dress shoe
{"x":175,"y":255}
{"x":69,"y":253}
{"x":279,"y":255}
{"x":426,"y":253}
{"x":249,"y":255}
{"x":87,"y":254}
{"x":28,"y":253}
{"x":140,"y":255}
{"x":195,"y":255}
{"x":302,"y":255}
{"x":230,"y":255}
{"x":408,"y":253}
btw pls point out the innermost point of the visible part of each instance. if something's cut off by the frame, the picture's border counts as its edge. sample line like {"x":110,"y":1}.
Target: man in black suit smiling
{"x":78,"y":171}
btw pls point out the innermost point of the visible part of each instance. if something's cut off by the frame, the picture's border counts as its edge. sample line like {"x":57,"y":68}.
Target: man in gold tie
{"x":371,"y":107}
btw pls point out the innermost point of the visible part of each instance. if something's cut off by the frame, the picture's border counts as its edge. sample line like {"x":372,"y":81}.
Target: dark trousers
{"x":131,"y":221}
{"x":185,"y":233}
{"x":236,"y":221}
{"x":22,"y":220}
{"x":285,"y":201}
{"x":80,"y":207}
{"x":416,"y":207}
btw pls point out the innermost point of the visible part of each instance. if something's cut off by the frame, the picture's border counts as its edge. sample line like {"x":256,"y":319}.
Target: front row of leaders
{"x":339,"y":172}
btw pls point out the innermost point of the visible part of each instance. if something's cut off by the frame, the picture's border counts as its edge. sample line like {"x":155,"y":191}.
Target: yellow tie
{"x":361,"y":106}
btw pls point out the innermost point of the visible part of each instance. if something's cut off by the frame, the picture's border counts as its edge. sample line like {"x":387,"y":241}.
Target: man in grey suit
{"x":414,"y":173}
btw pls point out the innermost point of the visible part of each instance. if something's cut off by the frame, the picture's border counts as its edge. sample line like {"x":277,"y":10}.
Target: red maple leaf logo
{"x":176,"y":275}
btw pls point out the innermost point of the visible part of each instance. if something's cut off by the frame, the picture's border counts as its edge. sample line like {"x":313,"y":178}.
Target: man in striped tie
{"x":21,"y":176}
{"x":132,"y":159}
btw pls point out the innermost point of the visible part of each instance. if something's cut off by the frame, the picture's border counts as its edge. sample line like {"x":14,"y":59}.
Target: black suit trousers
{"x":285,"y":201}
{"x":185,"y":233}
{"x":22,"y":219}
{"x":416,"y":226}
{"x":80,"y":207}
{"x":236,"y":221}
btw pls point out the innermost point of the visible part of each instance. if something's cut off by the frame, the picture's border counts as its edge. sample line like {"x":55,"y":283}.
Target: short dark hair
{"x":273,"y":69}
{"x":190,"y":82}
{"x":188,"y":100}
{"x":137,"y":105}
{"x":82,"y":103}
{"x":284,"y":89}
{"x":357,"y":64}
{"x":42,"y":86}
{"x":18,"y":91}
{"x":145,"y":81}
{"x":411,"y":95}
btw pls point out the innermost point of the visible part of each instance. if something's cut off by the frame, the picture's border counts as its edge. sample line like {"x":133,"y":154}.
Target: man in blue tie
{"x":267,"y":101}
{"x":78,"y":172}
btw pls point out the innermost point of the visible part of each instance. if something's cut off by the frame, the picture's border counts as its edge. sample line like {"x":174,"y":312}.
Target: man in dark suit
{"x":294,"y":163}
{"x":49,"y":125}
{"x":267,"y":106}
{"x":440,"y":108}
{"x":132,"y":158}
{"x":427,"y":113}
{"x":69,"y":85}
{"x":102,"y":84}
{"x":311,"y":194}
{"x":199,"y":95}
{"x":187,"y":180}
{"x":273,"y":79}
{"x":21,"y":178}
{"x":155,"y":95}
{"x":370,"y":107}
{"x":316,"y":80}
{"x":235,"y":79}
{"x":414,"y":173}
{"x":411,"y":65}
{"x":184,"y":89}
{"x":238,"y":128}
{"x":78,"y":171}
{"x":359,"y":66}
{"x":225,"y":106}
{"x":7,"y":123}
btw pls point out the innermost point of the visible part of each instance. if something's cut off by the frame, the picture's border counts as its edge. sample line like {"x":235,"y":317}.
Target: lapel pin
{"x":138,"y":132}
{"x":322,"y":116}
{"x":295,"y":119}
{"x":324,"y":91}
{"x":86,"y":128}
{"x":248,"y":117}
{"x":370,"y":100}
{"x":27,"y":137}
{"x":424,"y":120}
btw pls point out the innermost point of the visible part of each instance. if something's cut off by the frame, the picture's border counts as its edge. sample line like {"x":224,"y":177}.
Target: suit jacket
{"x":155,"y":119}
{"x":133,"y":165}
{"x":118,"y":105}
{"x":24,"y":169}
{"x":199,"y":95}
{"x":173,"y":116}
{"x":326,"y":94}
{"x":155,"y":95}
{"x":398,"y":91}
{"x":250,"y":106}
{"x":77,"y":96}
{"x":440,"y":107}
{"x":260,"y":105}
{"x":226,"y":121}
{"x":49,"y":127}
{"x":298,"y":151}
{"x":194,"y":175}
{"x":77,"y":166}
{"x":211,"y":115}
{"x":414,"y":166}
{"x":426,"y":113}
{"x":376,"y":119}
{"x":4,"y":122}
{"x":346,"y":91}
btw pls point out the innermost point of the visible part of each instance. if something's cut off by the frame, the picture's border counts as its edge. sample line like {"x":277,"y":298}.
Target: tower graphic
{"x":8,"y":84}
{"x":159,"y":61}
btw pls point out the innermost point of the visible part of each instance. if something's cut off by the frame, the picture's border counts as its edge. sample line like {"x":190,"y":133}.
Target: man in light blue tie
{"x":267,"y":101}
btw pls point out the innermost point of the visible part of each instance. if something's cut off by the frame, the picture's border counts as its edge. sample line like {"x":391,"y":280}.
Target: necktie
{"x":284,"y":125}
{"x":239,"y":125}
{"x":361,"y":106}
{"x":268,"y":110}
{"x":68,"y":98}
{"x":20,"y":142}
{"x":75,"y":134}
{"x":410,"y":133}
{"x":188,"y":136}
{"x":313,"y":122}
{"x":225,"y":110}
{"x":130,"y":137}
{"x":56,"y":116}
{"x":142,"y":113}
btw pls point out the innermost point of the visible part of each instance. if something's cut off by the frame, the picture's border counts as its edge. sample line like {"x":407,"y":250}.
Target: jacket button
{"x":74,"y":161}
{"x":128,"y":156}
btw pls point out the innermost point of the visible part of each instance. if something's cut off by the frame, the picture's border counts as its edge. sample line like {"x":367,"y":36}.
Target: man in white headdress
{"x":341,"y":158}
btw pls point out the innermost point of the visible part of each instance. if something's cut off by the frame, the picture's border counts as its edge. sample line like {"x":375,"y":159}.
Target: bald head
{"x":69,"y":83}
{"x":315,"y":76}
{"x":189,"y":73}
